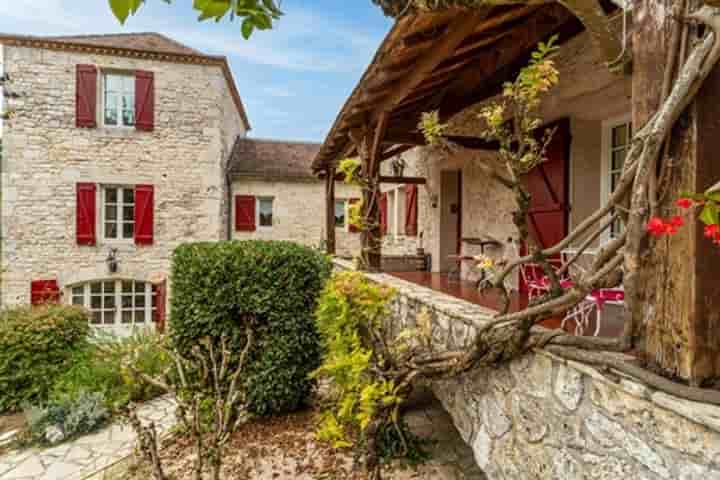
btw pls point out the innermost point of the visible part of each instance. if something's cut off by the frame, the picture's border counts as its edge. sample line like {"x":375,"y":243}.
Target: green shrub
{"x":101,"y":367}
{"x":72,"y":417}
{"x":36,"y":345}
{"x":214,"y":284}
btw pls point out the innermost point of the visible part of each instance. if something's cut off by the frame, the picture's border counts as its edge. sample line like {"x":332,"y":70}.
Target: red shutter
{"x":85,"y":214}
{"x":160,"y":300}
{"x":86,"y":96}
{"x":353,"y":228}
{"x":144,"y":214}
{"x":44,"y":291}
{"x":411,"y":210}
{"x":144,"y":101}
{"x":383,"y":213}
{"x":245,"y":213}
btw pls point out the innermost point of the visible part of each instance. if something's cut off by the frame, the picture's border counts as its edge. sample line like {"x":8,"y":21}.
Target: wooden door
{"x":548,"y":185}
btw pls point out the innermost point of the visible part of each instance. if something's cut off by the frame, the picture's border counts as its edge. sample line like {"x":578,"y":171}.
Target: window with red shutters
{"x":384,"y":213}
{"x":86,"y":96}
{"x":353,"y":228}
{"x":144,"y":214}
{"x":85,"y":214}
{"x":411,"y":210}
{"x":144,"y":100}
{"x":245,"y":213}
{"x":44,"y":291}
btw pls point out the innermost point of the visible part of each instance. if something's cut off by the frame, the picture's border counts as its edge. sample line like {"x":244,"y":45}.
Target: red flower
{"x":677,"y":221}
{"x":684,"y":203}
{"x":656,"y":227}
{"x":712,"y":231}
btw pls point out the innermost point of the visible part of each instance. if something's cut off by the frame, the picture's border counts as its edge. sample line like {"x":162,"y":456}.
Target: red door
{"x":548,"y":185}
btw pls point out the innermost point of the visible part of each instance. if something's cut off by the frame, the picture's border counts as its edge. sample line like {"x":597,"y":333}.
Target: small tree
{"x":209,"y":377}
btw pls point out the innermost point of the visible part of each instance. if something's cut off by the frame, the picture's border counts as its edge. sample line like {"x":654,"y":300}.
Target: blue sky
{"x":293,"y":80}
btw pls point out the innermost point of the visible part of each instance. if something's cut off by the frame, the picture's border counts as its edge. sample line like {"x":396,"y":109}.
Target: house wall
{"x":298,"y":212}
{"x":541,"y":417}
{"x":588,"y":94}
{"x":45,"y":155}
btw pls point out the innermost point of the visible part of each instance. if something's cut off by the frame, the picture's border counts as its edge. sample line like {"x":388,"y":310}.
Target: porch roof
{"x":445,"y":61}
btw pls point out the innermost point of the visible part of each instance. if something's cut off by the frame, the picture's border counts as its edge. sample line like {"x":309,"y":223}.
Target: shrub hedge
{"x":36,"y":345}
{"x":215,"y":284}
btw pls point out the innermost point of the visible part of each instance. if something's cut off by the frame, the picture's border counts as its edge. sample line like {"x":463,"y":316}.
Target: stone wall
{"x":45,"y":155}
{"x":298,"y":211}
{"x":542,"y":418}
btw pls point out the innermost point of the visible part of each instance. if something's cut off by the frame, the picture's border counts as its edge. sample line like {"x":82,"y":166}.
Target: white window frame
{"x":259,"y":199}
{"x":104,"y":74}
{"x":398,"y":192}
{"x":346,"y":203}
{"x":606,"y":163}
{"x":149,"y":294}
{"x":120,"y":207}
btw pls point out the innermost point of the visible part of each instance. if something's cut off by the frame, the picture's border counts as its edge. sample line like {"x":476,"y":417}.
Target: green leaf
{"x":247,"y":28}
{"x":709,"y":215}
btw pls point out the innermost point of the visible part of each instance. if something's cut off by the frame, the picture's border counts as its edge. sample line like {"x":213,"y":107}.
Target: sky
{"x":293,"y":79}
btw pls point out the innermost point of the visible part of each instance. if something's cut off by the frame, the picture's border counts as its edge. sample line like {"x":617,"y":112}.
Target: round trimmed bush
{"x":36,"y":346}
{"x":215,"y":284}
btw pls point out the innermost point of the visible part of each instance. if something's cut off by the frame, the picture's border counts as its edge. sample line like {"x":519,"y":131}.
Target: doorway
{"x":450,"y":218}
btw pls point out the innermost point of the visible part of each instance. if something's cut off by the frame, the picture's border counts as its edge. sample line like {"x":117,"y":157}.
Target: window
{"x":118,"y":213}
{"x":618,"y":136}
{"x":119,"y":100}
{"x":265,"y":212}
{"x":340,"y":213}
{"x":117,"y":302}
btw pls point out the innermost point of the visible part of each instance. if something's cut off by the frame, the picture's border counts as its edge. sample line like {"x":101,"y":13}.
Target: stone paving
{"x":82,"y":457}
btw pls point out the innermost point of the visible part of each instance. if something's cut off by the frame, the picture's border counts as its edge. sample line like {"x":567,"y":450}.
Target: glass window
{"x":117,"y":302}
{"x":118,"y":213}
{"x":265,"y":212}
{"x":620,"y":138}
{"x":340,"y":213}
{"x":119,"y":100}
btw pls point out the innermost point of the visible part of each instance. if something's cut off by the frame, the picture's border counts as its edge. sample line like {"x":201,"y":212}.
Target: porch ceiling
{"x":443,"y":61}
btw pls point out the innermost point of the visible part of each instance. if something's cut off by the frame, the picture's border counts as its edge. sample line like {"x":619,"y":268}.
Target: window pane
{"x":78,"y":291}
{"x":109,"y":301}
{"x":108,"y":317}
{"x":127,"y":287}
{"x":97,"y":318}
{"x":127,"y":316}
{"x":140,"y":301}
{"x":127,"y":302}
{"x":129,"y":213}
{"x":95,"y":287}
{"x":109,"y":287}
{"x":110,"y":213}
{"x":340,"y":213}
{"x":265,"y":209}
{"x":139,"y":316}
{"x":110,"y":230}
{"x":78,"y":300}
{"x":619,"y":135}
{"x":111,"y":109}
{"x":111,"y":195}
{"x":618,"y":158}
{"x":128,"y":196}
{"x":113,"y":83}
{"x":128,"y":230}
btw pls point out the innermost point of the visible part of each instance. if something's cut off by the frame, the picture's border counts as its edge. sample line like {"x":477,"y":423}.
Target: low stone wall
{"x":541,"y":417}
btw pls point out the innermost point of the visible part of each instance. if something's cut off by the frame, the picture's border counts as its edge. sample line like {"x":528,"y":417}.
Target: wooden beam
{"x":404,"y":180}
{"x":395,"y":151}
{"x":380,"y":130}
{"x":417,"y":139}
{"x":457,"y":31}
{"x":330,"y":211}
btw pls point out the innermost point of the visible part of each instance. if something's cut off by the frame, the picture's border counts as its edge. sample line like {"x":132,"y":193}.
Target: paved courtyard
{"x":80,"y":458}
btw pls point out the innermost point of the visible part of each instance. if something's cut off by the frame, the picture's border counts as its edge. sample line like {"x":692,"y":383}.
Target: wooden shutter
{"x":411,"y":210}
{"x":86,"y":96}
{"x":245,"y":213}
{"x":353,"y":228}
{"x":44,"y":291}
{"x":384,"y":213}
{"x":144,"y":101}
{"x":85,"y":214}
{"x":144,"y":214}
{"x":160,"y":314}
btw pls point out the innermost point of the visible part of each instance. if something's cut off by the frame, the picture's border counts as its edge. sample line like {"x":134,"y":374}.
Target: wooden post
{"x":680,"y":293}
{"x":330,"y":211}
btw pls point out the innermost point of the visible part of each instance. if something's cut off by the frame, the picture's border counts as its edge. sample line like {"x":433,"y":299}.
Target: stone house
{"x":115,"y":152}
{"x":276,"y":196}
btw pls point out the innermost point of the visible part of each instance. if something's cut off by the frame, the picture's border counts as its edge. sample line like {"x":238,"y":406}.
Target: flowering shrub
{"x":709,"y":215}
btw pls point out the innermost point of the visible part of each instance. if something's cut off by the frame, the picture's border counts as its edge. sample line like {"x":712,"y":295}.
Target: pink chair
{"x":537,"y":282}
{"x":597,"y":300}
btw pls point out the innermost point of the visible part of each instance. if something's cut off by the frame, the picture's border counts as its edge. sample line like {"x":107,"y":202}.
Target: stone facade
{"x":298,"y":211}
{"x":45,"y":155}
{"x":543,"y":418}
